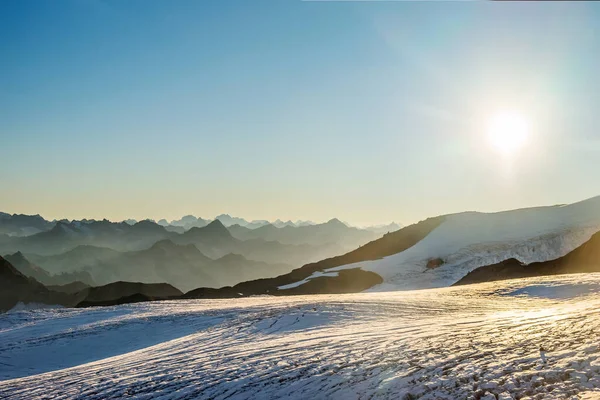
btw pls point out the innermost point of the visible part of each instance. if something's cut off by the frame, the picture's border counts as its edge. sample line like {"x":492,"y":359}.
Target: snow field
{"x":463,"y":342}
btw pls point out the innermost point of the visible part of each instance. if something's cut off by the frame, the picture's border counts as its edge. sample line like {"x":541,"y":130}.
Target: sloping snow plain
{"x":527,"y":338}
{"x":467,"y":241}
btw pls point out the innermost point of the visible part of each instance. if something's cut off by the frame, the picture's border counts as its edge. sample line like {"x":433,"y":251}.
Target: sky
{"x":370,"y":112}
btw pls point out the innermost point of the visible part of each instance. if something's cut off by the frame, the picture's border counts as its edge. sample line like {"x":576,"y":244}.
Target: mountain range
{"x":100,"y":252}
{"x":440,"y":251}
{"x":181,"y":265}
{"x":25,"y":225}
{"x":216,"y":261}
{"x":214,"y":240}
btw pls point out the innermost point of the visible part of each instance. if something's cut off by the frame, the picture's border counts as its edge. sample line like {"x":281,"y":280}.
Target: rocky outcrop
{"x":434,"y":263}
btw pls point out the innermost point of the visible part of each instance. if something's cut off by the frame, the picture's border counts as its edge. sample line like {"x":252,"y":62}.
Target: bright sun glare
{"x":508,"y":132}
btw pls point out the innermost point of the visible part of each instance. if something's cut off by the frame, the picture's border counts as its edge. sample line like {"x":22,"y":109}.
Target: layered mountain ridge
{"x":450,"y":249}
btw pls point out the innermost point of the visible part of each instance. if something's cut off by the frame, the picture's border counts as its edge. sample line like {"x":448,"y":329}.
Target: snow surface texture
{"x":528,"y":338}
{"x":470,"y":240}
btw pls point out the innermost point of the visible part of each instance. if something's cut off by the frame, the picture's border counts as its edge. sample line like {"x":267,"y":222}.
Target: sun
{"x":508,"y":132}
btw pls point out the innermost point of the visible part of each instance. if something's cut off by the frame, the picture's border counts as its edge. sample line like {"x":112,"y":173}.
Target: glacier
{"x":527,"y":338}
{"x":469,"y":240}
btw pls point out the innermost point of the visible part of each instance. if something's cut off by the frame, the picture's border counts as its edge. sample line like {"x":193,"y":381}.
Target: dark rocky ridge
{"x":126,"y":292}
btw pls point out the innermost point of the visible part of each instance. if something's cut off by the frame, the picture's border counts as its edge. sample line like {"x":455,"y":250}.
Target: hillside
{"x":181,"y":265}
{"x":583,"y":259}
{"x":75,"y":259}
{"x":16,"y":287}
{"x":466,"y":241}
{"x":29,"y":269}
{"x":125,"y":292}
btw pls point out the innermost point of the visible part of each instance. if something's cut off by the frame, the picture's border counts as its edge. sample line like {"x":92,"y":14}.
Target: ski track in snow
{"x":460,"y":342}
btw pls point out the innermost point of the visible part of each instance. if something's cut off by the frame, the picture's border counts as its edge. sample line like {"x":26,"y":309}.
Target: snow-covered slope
{"x":470,"y":240}
{"x":535,"y":338}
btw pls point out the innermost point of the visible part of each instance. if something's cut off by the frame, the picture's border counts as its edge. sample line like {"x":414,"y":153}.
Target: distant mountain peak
{"x":18,"y":255}
{"x":228,"y":220}
{"x":213,"y":229}
{"x":335,"y":221}
{"x":216,"y":226}
{"x":147,"y":224}
{"x":61,"y":228}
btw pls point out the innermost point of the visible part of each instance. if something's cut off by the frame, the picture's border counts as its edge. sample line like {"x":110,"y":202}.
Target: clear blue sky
{"x":369,"y":112}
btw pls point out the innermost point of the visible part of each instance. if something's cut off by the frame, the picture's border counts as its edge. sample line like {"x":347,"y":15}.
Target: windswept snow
{"x":470,"y":240}
{"x":536,"y":338}
{"x":313,"y":276}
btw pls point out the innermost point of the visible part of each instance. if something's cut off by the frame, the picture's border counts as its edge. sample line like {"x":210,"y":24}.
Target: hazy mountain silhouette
{"x":215,"y":241}
{"x":383,"y":229}
{"x":27,"y":268}
{"x":74,"y":259}
{"x":333,"y":231}
{"x":101,"y":252}
{"x":181,"y":265}
{"x":66,"y":236}
{"x":187,"y":222}
{"x":23,"y":225}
